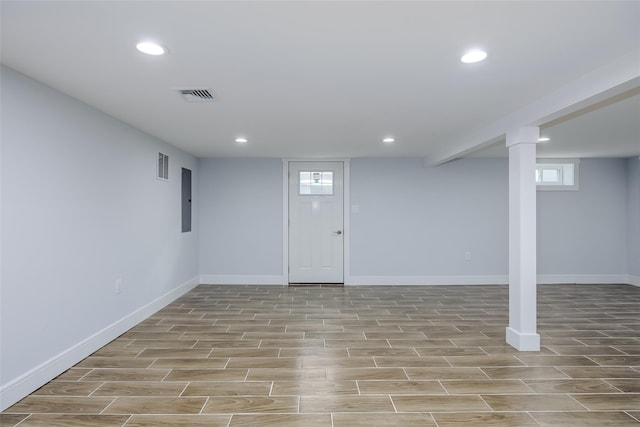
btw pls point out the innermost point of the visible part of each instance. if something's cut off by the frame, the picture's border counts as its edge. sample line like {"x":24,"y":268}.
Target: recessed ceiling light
{"x":388,"y":140}
{"x":473,"y":56}
{"x":241,"y":140}
{"x":151,"y":48}
{"x":544,"y":139}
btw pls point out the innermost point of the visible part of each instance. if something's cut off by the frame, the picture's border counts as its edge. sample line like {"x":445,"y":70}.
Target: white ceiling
{"x":331,"y":79}
{"x":610,"y":131}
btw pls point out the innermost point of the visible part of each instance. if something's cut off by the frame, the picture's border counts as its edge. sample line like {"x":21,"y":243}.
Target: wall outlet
{"x":467,"y":256}
{"x":118,"y":286}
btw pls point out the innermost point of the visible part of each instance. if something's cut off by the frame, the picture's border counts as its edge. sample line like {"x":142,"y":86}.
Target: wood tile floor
{"x":357,"y":356}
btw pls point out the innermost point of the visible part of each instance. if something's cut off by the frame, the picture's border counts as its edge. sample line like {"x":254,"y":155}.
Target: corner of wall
{"x":633,"y":217}
{"x":33,"y":379}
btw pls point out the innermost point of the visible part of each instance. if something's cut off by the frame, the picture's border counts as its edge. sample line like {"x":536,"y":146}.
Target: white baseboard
{"x":521,"y":341}
{"x":428,"y":280}
{"x":213,"y":279}
{"x":20,"y":387}
{"x":588,"y":279}
{"x":633,"y":280}
{"x":543,"y":279}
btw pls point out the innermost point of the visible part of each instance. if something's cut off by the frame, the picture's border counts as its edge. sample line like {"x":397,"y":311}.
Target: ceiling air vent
{"x":196,"y":95}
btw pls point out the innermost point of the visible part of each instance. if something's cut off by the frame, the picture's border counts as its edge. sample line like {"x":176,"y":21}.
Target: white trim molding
{"x":20,"y":387}
{"x":542,"y":279}
{"x":633,"y":280}
{"x":428,"y":280}
{"x":522,"y":341}
{"x":216,"y":279}
{"x":588,"y":279}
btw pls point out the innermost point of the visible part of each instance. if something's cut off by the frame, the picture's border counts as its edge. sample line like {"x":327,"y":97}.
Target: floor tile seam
{"x":108,"y":405}
{"x":635,"y":417}
{"x":446,"y":391}
{"x":532,"y":417}
{"x":29,"y":414}
{"x":102,"y":383}
{"x":181,"y":394}
{"x":606,"y":381}
{"x":524,"y":382}
{"x":138,"y":354}
{"x":486,"y":403}
{"x":515,"y":356}
{"x":204,"y":405}
{"x":407,"y":377}
{"x":576,"y":411}
{"x":227,"y":363}
{"x":446,"y":358}
{"x":483,"y":350}
{"x":393,"y":404}
{"x":487,"y":375}
{"x":166,"y":375}
{"x":623,"y":352}
{"x":229,"y":421}
{"x":89,"y":371}
{"x":23,"y":420}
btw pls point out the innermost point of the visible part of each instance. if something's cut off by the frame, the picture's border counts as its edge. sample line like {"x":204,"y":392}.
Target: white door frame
{"x":346,"y":215}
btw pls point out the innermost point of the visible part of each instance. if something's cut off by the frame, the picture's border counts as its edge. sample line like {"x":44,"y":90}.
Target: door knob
{"x":339,"y":232}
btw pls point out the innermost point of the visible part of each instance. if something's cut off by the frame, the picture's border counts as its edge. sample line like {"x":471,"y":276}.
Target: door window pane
{"x":316,"y":183}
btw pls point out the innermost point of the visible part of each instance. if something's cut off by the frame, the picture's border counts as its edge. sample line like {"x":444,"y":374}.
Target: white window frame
{"x":562,"y":166}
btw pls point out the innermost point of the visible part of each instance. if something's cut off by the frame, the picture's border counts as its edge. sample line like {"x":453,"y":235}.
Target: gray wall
{"x":584,"y":232}
{"x":633,"y":217}
{"x":417,"y":221}
{"x":81,"y":207}
{"x":241,"y":212}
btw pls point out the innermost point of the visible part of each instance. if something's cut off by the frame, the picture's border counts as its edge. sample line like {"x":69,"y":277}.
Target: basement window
{"x":163,"y":167}
{"x":557,"y":174}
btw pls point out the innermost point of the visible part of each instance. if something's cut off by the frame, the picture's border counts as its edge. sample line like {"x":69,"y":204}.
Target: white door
{"x":316,"y":221}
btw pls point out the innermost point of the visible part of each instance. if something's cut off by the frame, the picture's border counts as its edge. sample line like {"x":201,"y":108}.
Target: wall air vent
{"x":196,"y":95}
{"x":163,"y":167}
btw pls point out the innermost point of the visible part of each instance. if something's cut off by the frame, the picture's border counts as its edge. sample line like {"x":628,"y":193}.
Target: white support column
{"x":521,"y":332}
